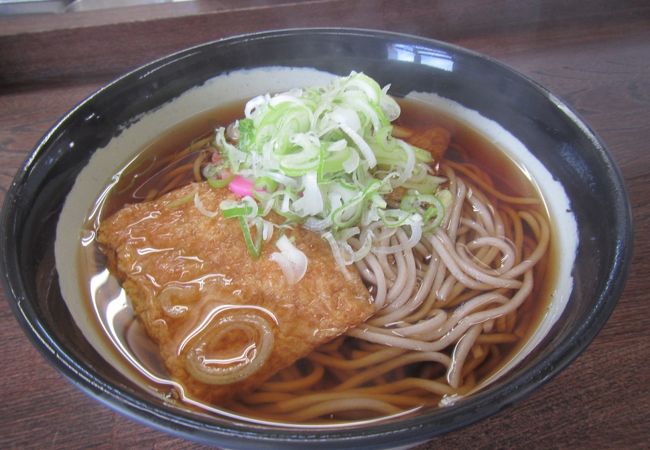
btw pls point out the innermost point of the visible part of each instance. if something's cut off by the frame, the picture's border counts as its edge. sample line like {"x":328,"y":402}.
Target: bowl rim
{"x":411,"y":429}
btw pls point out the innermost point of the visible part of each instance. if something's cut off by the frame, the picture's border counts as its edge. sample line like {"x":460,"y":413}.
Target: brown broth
{"x":145,"y":172}
{"x":143,"y":175}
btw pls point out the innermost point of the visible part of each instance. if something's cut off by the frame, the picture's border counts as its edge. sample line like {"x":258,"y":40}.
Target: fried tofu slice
{"x":434,"y":139}
{"x":185,"y":272}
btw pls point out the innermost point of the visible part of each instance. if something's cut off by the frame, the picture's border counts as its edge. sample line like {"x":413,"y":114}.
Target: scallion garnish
{"x":325,"y":158}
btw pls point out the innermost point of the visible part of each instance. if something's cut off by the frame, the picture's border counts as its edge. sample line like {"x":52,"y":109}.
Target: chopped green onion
{"x":266,"y":184}
{"x":326,"y":157}
{"x":254,"y":248}
{"x":180,"y":201}
{"x":246,"y":129}
{"x":220,"y":183}
{"x":242,"y":211}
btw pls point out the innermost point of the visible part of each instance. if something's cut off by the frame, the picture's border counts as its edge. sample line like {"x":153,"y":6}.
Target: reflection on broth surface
{"x":408,"y":325}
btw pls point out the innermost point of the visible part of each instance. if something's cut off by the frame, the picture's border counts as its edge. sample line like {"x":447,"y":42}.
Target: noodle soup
{"x":451,"y":312}
{"x":159,"y":169}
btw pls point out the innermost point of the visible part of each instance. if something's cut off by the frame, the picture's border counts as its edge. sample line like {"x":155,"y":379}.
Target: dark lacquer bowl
{"x":558,"y":138}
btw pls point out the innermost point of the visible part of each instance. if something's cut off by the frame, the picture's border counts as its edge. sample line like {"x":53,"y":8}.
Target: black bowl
{"x":552,"y":131}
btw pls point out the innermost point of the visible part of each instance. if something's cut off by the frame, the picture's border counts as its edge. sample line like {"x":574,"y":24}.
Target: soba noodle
{"x":447,"y":308}
{"x":444,"y":307}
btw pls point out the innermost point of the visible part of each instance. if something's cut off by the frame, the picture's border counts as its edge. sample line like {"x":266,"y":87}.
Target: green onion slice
{"x":324,"y":157}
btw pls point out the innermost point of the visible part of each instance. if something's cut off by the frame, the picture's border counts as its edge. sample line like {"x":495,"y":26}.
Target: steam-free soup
{"x":448,"y":310}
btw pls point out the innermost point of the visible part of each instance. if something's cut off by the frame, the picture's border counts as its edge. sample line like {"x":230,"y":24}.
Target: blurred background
{"x":9,"y":7}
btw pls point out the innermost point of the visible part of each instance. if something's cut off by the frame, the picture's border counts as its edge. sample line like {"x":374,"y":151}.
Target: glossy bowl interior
{"x":550,"y":130}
